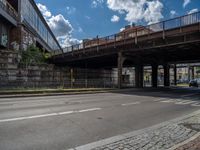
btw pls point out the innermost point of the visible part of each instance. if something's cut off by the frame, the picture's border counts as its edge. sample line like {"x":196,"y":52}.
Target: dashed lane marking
{"x":48,"y":115}
{"x":87,"y":110}
{"x":160,"y":99}
{"x":168,"y":101}
{"x":129,"y":104}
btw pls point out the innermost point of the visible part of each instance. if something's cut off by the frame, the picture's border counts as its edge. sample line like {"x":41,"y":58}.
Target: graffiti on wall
{"x":4,"y":40}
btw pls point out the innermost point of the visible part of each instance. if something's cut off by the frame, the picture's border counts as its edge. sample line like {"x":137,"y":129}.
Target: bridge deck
{"x":175,"y":36}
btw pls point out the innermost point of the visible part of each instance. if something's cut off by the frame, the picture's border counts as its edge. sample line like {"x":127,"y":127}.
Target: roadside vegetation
{"x":33,"y":56}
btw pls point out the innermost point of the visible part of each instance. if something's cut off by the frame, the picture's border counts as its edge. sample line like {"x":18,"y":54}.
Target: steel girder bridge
{"x":168,"y":42}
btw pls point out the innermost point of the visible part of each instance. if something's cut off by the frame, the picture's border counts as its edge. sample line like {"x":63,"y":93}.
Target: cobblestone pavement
{"x":161,"y":138}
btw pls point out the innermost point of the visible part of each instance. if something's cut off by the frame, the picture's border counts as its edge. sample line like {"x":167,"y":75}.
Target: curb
{"x":49,"y":93}
{"x":131,"y":134}
{"x":52,"y":94}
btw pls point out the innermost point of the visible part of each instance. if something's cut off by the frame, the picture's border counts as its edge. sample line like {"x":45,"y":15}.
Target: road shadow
{"x":162,"y":92}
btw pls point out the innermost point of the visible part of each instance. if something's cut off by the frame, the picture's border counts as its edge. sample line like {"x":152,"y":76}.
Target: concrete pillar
{"x":193,"y":76}
{"x":120,"y":66}
{"x":139,"y":76}
{"x":166,"y":75}
{"x":72,"y":77}
{"x":189,"y":75}
{"x":175,"y":75}
{"x":86,"y":76}
{"x":155,"y":75}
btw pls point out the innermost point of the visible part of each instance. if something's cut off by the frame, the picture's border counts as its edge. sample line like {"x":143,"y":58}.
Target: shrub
{"x":32,"y":56}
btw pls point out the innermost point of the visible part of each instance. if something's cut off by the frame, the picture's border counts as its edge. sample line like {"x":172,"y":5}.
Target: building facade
{"x":22,"y":24}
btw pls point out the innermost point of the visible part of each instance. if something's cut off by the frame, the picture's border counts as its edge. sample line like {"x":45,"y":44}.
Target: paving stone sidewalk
{"x":173,"y":135}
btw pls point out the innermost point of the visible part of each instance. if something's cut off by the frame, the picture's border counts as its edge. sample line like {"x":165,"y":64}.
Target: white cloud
{"x":60,"y":26}
{"x":88,"y":17}
{"x":186,"y":2}
{"x":115,"y":18}
{"x":46,"y":13}
{"x":67,"y":40}
{"x":70,"y":10}
{"x":122,"y":29}
{"x":95,"y":3}
{"x":193,"y":11}
{"x":149,"y":11}
{"x":173,"y":13}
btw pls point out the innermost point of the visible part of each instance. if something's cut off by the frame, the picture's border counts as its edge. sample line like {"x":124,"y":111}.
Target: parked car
{"x":194,"y":82}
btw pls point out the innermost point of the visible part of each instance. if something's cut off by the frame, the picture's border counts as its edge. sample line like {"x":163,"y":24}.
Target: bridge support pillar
{"x":155,"y":75}
{"x":192,"y":68}
{"x":175,"y":75}
{"x":166,"y":75}
{"x":139,"y":76}
{"x":120,"y":67}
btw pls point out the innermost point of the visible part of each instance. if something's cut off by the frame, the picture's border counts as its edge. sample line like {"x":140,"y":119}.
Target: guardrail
{"x":163,"y":26}
{"x":8,"y":8}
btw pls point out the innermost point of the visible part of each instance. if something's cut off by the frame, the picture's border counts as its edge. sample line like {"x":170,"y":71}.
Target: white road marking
{"x":160,"y":99}
{"x":48,"y":115}
{"x":128,"y":104}
{"x":196,"y":105}
{"x":168,"y":101}
{"x":66,"y":113}
{"x":185,"y":102}
{"x":189,"y":95}
{"x":87,"y":110}
{"x":29,"y":117}
{"x":179,"y":101}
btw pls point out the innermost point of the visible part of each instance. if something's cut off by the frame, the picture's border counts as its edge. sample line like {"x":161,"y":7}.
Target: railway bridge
{"x":168,"y":42}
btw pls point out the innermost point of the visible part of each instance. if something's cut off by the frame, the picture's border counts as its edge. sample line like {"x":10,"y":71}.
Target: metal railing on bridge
{"x":163,"y":26}
{"x":6,"y":6}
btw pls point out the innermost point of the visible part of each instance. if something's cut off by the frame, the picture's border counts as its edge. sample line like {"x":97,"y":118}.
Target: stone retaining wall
{"x":14,"y":76}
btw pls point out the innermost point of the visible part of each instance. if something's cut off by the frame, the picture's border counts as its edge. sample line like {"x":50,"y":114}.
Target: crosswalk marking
{"x":196,"y":105}
{"x":185,"y":102}
{"x":192,"y":102}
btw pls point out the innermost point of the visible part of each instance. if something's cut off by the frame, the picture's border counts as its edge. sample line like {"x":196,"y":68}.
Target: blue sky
{"x":74,"y":20}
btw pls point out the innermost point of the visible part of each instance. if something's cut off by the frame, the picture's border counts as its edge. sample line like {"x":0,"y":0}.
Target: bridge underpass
{"x":166,"y":43}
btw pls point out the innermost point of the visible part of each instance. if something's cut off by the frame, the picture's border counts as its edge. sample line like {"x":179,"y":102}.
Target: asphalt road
{"x":62,"y":122}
